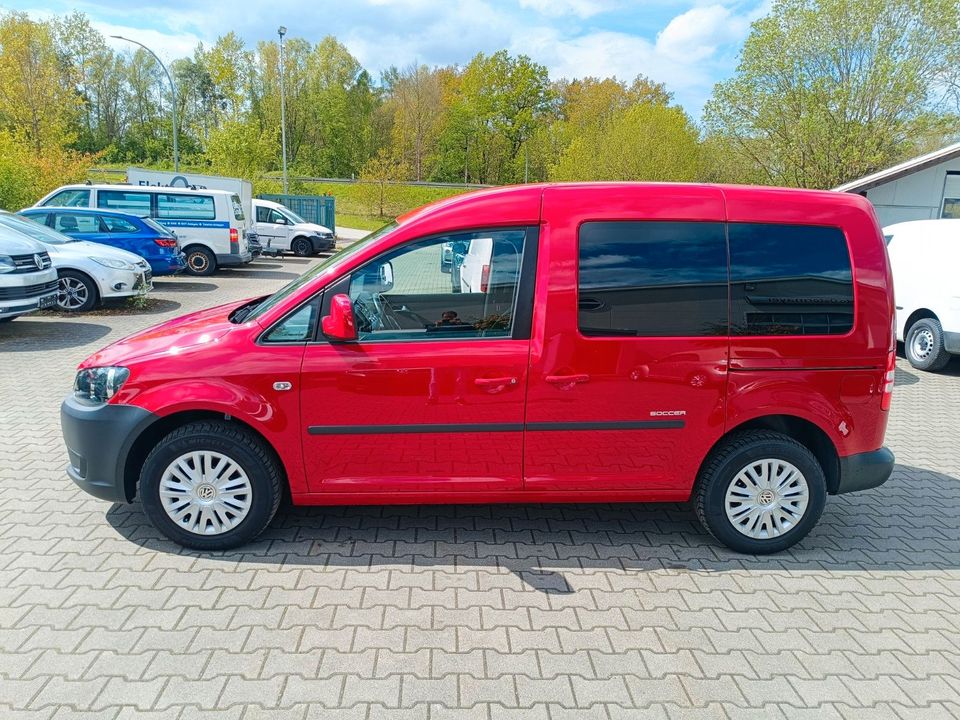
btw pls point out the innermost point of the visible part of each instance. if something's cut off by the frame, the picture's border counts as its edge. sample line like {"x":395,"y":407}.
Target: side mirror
{"x":339,"y":325}
{"x":377,"y":279}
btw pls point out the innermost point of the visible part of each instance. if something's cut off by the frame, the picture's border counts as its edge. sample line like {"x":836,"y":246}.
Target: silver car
{"x":28,"y":280}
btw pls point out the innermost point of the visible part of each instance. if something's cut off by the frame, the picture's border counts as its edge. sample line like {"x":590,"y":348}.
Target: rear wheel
{"x":77,"y":292}
{"x":200,"y":261}
{"x":760,"y":492}
{"x":211,"y":486}
{"x":302,"y":247}
{"x":923,"y":345}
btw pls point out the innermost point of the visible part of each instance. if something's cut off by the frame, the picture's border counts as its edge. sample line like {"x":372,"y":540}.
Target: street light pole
{"x":173,"y":92}
{"x":283,"y":110}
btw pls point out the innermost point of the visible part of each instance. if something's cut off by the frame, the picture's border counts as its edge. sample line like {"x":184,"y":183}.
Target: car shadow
{"x":26,"y":335}
{"x":183,"y":286}
{"x":911,"y":523}
{"x":258,"y":274}
{"x":903,"y":377}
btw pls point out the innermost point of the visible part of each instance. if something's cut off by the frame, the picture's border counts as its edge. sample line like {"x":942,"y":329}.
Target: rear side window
{"x":653,"y":279}
{"x":70,"y":198}
{"x":237,"y":208}
{"x":137,"y":203}
{"x":185,"y":207}
{"x":117,"y":225}
{"x":789,"y":280}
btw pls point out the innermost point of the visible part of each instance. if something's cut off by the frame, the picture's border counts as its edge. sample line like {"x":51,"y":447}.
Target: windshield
{"x":157,"y":227}
{"x":258,"y":310}
{"x":292,"y":216}
{"x":34,"y":229}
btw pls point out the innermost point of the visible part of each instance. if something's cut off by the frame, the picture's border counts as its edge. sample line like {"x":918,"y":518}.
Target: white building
{"x":924,"y":188}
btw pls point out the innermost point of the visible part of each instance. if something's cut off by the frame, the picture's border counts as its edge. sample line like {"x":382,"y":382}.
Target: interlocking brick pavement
{"x":548,"y":612}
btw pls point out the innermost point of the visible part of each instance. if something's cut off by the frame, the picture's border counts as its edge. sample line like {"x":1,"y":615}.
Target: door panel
{"x":616,"y":411}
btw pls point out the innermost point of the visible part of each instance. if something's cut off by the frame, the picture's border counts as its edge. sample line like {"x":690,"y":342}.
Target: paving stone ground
{"x":548,"y":612}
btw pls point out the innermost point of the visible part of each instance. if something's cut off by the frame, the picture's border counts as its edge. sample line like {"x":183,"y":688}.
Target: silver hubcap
{"x":205,"y":493}
{"x":922,"y":344}
{"x":72,"y":293}
{"x":767,"y":499}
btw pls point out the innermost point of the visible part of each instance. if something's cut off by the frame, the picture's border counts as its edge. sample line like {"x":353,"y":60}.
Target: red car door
{"x":626,"y":390}
{"x":430,"y":397}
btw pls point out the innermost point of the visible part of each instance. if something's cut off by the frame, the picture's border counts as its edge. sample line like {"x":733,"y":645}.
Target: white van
{"x":925,"y":259}
{"x":28,"y":280}
{"x":279,"y":229}
{"x":211,"y":225}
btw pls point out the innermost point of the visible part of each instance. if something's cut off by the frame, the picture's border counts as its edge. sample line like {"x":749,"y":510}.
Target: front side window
{"x":652,"y":279}
{"x":411,"y":294}
{"x":297,"y":327}
{"x":74,"y":223}
{"x":789,"y":280}
{"x":951,"y":196}
{"x":70,"y":198}
{"x":117,"y":225}
{"x":185,"y":207}
{"x":137,"y":203}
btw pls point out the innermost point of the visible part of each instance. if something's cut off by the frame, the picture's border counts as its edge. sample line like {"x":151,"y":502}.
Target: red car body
{"x":559,"y":416}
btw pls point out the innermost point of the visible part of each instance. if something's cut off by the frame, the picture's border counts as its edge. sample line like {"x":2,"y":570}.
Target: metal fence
{"x":317,"y":209}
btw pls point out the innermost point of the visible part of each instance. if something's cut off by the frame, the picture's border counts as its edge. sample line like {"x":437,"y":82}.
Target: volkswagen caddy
{"x":729,"y":346}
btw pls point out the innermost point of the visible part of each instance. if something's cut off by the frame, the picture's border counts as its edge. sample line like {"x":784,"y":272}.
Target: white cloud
{"x":579,"y":8}
{"x":167,"y":46}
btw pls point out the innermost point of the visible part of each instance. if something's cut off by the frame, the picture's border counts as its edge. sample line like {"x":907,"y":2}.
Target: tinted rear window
{"x":185,"y":207}
{"x":653,"y":279}
{"x":137,"y":203}
{"x":789,"y":280}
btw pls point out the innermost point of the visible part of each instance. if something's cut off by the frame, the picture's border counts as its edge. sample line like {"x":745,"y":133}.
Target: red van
{"x":732,"y":346}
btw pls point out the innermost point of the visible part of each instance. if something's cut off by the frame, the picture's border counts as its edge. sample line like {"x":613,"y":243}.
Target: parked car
{"x":925,"y":258}
{"x":214,"y":232}
{"x":140,"y":236}
{"x":88,"y":272}
{"x":280,"y":229}
{"x":725,"y":345}
{"x":28,"y":281}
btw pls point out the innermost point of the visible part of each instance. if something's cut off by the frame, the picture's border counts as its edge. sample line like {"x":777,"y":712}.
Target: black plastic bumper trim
{"x":865,"y":470}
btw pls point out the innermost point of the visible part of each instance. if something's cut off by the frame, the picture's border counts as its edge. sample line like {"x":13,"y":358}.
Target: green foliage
{"x":829,"y":90}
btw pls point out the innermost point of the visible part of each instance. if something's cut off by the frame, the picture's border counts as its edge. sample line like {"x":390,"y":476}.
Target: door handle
{"x":494,"y":382}
{"x":567,"y":381}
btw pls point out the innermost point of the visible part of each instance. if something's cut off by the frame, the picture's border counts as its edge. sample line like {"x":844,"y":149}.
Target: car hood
{"x":187,"y":332}
{"x":310,"y":228}
{"x":86,"y":249}
{"x":13,"y":243}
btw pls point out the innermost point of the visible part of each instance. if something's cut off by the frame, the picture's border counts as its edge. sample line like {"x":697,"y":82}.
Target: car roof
{"x":36,"y":210}
{"x":144,"y":188}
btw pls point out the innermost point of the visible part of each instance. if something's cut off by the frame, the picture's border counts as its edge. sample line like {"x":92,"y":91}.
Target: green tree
{"x":829,"y":90}
{"x":647,"y":141}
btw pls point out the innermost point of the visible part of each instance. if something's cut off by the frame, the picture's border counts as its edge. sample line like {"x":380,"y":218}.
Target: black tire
{"x":301,"y":247}
{"x":200,"y":261}
{"x":78,"y":292}
{"x":736,"y":454}
{"x":923,"y":345}
{"x":243,"y":447}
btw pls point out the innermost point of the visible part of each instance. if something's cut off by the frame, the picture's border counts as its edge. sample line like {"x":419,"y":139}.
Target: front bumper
{"x":865,"y":470}
{"x":321,"y":243}
{"x":98,"y":439}
{"x":125,"y":283}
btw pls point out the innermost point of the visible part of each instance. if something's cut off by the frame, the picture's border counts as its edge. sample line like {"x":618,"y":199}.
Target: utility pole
{"x":173,"y":92}
{"x":283,"y":109}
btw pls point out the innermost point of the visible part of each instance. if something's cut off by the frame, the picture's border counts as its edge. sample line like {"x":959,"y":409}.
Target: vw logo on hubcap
{"x":765,"y":497}
{"x":206,"y":492}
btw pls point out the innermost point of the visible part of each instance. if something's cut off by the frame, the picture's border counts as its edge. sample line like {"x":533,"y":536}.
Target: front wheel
{"x":211,"y":485}
{"x":302,"y":247}
{"x":200,"y":261}
{"x":76,"y":292}
{"x":923,"y":345}
{"x":760,"y":492}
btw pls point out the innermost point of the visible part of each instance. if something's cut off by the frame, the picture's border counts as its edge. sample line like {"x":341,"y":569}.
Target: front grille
{"x":28,"y":263}
{"x":28,"y":291}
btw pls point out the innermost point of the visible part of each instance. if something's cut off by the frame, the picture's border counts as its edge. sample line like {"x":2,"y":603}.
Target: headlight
{"x":99,"y":384}
{"x":111,"y":263}
{"x":7,"y":264}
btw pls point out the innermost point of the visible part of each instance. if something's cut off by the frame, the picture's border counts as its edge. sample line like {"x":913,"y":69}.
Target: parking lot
{"x":577,"y":611}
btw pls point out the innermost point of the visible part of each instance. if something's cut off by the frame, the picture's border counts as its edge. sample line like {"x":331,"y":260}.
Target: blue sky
{"x":687,"y":44}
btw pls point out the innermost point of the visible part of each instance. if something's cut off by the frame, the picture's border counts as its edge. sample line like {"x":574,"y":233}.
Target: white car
{"x":28,"y":281}
{"x":88,"y":272}
{"x":280,"y":229}
{"x":925,"y":259}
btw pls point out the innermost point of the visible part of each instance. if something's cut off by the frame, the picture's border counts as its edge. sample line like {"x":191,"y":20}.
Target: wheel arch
{"x":149,"y":436}
{"x":918,"y":314}
{"x":807,"y":433}
{"x":81,"y":271}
